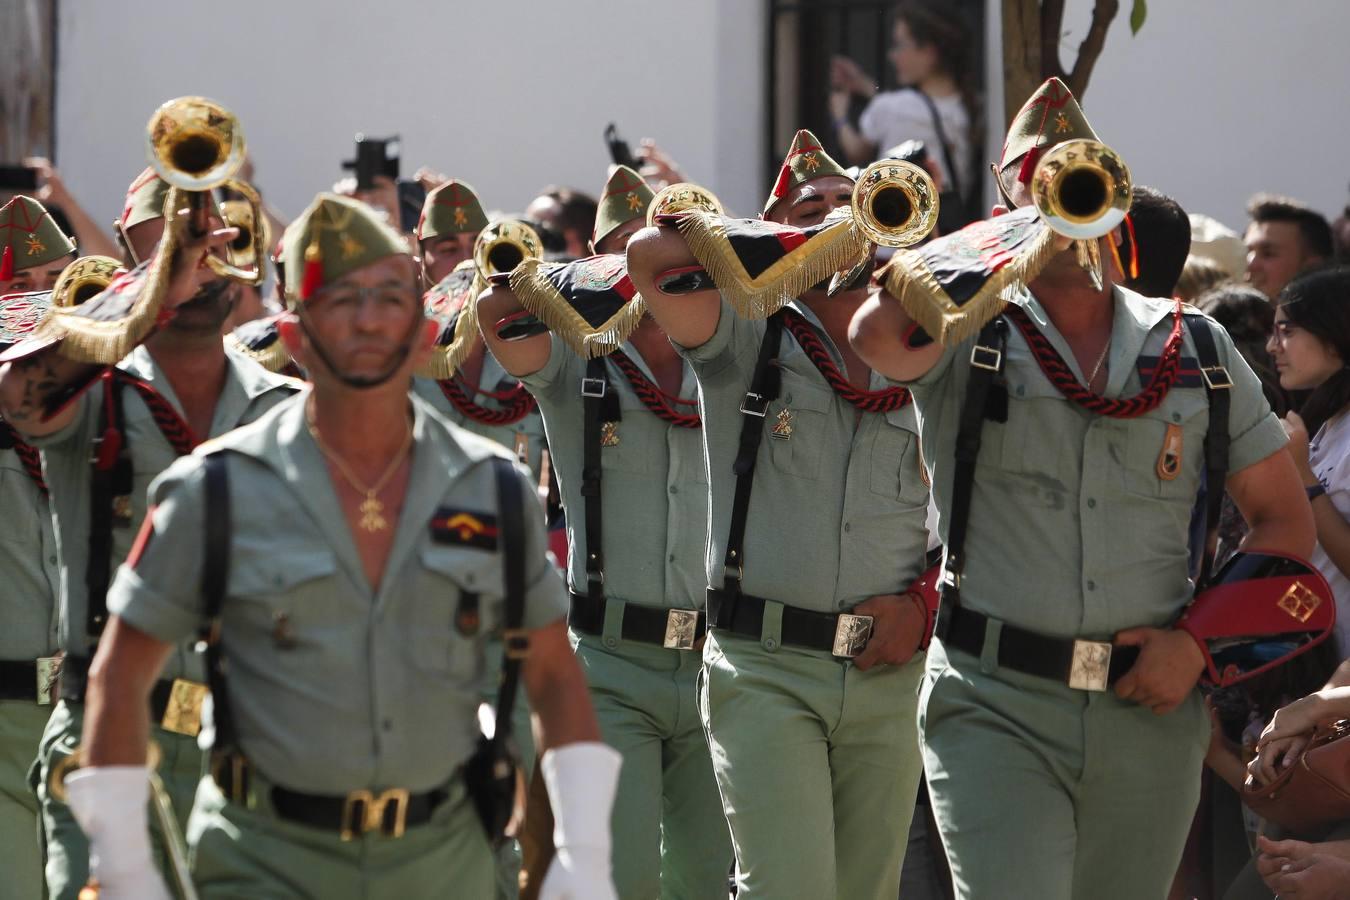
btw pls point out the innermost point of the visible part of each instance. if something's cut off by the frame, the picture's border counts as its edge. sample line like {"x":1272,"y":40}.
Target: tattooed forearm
{"x":31,"y":389}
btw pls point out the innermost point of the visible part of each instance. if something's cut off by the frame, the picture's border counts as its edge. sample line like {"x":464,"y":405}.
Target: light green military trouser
{"x":1048,"y":793}
{"x":250,"y":854}
{"x":181,"y":767}
{"x":21,"y":725}
{"x":670,"y":839}
{"x":818,"y":764}
{"x":508,"y":854}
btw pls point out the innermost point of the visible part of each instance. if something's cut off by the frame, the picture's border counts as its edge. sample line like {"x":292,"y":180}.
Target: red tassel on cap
{"x":312,"y":279}
{"x":7,"y":263}
{"x":1029,"y":165}
{"x":780,"y":187}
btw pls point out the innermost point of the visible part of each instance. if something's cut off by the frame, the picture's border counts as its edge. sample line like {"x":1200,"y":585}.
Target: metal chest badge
{"x":782,"y":426}
{"x":609,"y":434}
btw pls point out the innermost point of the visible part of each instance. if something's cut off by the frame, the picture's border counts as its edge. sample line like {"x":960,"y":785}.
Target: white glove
{"x":109,"y":803}
{"x":581,"y":780}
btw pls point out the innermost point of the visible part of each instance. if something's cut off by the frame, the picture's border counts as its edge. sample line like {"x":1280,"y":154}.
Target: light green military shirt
{"x":1072,"y":532}
{"x":250,"y":390}
{"x":29,"y":566}
{"x":335,"y":686}
{"x":526,"y":434}
{"x":837,"y":513}
{"x":653,"y":488}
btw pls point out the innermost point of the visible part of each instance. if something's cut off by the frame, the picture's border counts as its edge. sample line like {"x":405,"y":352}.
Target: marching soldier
{"x":105,"y":433}
{"x":1062,"y":733}
{"x":28,"y":557}
{"x":817,"y":528}
{"x":624,"y":433}
{"x":357,"y":542}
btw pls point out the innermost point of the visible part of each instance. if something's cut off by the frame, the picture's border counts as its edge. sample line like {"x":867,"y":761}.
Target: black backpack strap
{"x":110,"y":478}
{"x":511,"y":528}
{"x":986,"y":363}
{"x":765,"y":385}
{"x":600,"y":404}
{"x":215,"y":575}
{"x":1219,"y":388}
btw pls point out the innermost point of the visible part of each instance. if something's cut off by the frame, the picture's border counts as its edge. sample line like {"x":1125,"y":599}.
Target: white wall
{"x":508,"y":95}
{"x":1215,"y":100}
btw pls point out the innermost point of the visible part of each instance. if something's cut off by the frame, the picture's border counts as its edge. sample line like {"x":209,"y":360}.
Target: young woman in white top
{"x":930,"y":52}
{"x":1311,"y":349}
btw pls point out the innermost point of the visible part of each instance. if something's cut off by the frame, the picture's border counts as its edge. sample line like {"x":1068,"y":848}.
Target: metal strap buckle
{"x":183,"y":713}
{"x":681,"y":629}
{"x":48,"y":673}
{"x":363,"y":811}
{"x":983,"y":357}
{"x":1091,"y":667}
{"x":755,"y":404}
{"x":593,"y":387}
{"x":516,"y":643}
{"x":851,"y":634}
{"x":1216,"y":378}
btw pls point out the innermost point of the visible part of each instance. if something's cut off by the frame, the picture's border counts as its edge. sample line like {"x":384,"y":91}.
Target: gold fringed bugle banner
{"x":760,"y":266}
{"x":453,"y":305}
{"x":591,"y":303}
{"x":953,"y":285}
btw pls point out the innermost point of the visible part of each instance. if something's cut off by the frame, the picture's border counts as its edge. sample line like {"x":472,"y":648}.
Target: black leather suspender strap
{"x":986,"y":362}
{"x":765,"y":385}
{"x":215,"y":574}
{"x":511,"y":528}
{"x":110,"y":478}
{"x":1218,"y":387}
{"x":600,"y":404}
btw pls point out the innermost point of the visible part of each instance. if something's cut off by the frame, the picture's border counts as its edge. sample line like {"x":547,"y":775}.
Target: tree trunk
{"x":26,"y":44}
{"x":1032,"y":30}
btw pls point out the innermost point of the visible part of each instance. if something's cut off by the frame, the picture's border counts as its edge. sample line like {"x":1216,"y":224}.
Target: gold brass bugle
{"x":683,"y":196}
{"x":503,"y":245}
{"x":895,"y":203}
{"x":243,"y":249}
{"x":196,"y":145}
{"x":84,"y":279}
{"x":1081,"y":189}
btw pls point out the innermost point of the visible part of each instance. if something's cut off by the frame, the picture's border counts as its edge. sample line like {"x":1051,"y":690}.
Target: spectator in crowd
{"x":1218,"y":243}
{"x":1162,"y":237}
{"x":1248,"y":317}
{"x":936,"y":103}
{"x":1284,"y":238}
{"x":1311,"y":347}
{"x":568,"y":213}
{"x":1199,"y":276}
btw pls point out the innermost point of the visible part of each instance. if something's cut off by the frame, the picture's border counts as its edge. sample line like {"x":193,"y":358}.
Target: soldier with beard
{"x":132,"y":420}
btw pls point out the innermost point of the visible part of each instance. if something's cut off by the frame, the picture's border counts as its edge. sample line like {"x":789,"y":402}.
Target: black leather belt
{"x":842,"y":634}
{"x":675,"y":629}
{"x":1083,"y":665}
{"x":351,"y":815}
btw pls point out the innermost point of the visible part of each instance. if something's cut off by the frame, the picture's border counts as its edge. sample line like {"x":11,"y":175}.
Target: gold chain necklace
{"x":372,"y":510}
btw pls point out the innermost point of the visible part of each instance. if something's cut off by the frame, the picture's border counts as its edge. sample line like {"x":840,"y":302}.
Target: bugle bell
{"x":682,"y":196}
{"x":503,"y":245}
{"x":196,"y":145}
{"x":84,"y":279}
{"x":1082,"y":190}
{"x":239,"y":214}
{"x":894,"y":204}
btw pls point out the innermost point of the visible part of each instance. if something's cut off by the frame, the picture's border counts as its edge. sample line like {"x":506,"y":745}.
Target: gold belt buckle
{"x":681,"y":629}
{"x":363,"y":811}
{"x":183,"y":713}
{"x":48,"y":671}
{"x":851,"y":634}
{"x":1091,"y":665}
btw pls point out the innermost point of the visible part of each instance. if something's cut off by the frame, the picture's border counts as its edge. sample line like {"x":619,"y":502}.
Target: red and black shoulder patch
{"x":464,"y":528}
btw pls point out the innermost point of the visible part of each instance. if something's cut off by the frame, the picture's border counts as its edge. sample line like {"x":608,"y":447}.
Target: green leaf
{"x":1137,"y":15}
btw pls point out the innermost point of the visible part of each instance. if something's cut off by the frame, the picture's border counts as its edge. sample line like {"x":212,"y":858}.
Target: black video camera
{"x":374,"y":157}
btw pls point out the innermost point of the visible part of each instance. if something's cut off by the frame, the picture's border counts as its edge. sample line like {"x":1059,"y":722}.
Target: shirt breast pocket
{"x":1023,"y":444}
{"x":796,"y":427}
{"x":624,"y":444}
{"x":280,"y":605}
{"x":1167,"y":439}
{"x":457,"y":604}
{"x":22,"y":526}
{"x":896,"y":460}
